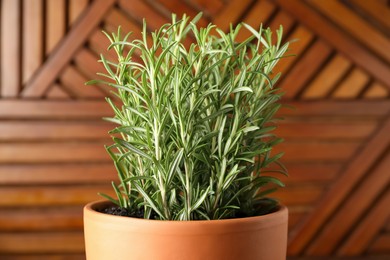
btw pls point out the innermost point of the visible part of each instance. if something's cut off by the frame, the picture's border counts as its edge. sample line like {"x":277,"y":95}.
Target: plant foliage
{"x":194,"y":135}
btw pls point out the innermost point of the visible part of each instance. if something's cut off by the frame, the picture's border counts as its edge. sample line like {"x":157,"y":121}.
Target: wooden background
{"x":52,"y":159}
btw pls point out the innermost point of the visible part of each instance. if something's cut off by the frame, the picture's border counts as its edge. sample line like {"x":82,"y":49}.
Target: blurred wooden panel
{"x":52,"y":152}
{"x":317,"y":151}
{"x":380,"y":245}
{"x":74,"y":173}
{"x":352,"y":85}
{"x":43,"y":242}
{"x":356,"y":26}
{"x":36,"y":219}
{"x":377,"y":90}
{"x":10,"y":44}
{"x":325,"y":130}
{"x":325,"y":81}
{"x":54,"y":109}
{"x":300,"y":74}
{"x":49,"y":130}
{"x":73,"y":82}
{"x":76,"y":8}
{"x":36,"y":196}
{"x":368,"y":229}
{"x":63,"y":55}
{"x":56,"y":91}
{"x":356,"y":206}
{"x":56,"y":23}
{"x":32,"y":37}
{"x":52,"y":156}
{"x":66,"y":256}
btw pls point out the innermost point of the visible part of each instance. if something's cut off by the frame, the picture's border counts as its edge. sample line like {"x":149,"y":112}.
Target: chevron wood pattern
{"x":52,"y":159}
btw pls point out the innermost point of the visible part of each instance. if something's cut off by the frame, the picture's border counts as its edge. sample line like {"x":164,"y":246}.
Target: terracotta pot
{"x":114,"y":237}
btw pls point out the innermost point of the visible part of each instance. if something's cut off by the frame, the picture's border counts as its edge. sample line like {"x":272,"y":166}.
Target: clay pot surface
{"x":109,"y":237}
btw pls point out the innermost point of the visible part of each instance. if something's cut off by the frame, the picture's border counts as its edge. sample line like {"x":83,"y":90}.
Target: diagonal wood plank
{"x":231,"y":13}
{"x":352,"y":85}
{"x":360,"y":238}
{"x":376,"y":9}
{"x":344,"y":219}
{"x":74,"y":39}
{"x":338,"y":39}
{"x":352,"y":174}
{"x":327,"y":78}
{"x":296,"y":79}
{"x":355,"y":25}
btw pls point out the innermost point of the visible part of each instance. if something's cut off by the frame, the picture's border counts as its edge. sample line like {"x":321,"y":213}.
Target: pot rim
{"x":278,"y":217}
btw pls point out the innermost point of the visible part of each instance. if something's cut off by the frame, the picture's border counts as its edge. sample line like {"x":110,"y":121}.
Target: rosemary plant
{"x":194,"y":135}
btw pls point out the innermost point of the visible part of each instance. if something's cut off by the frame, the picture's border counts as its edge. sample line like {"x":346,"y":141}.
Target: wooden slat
{"x":284,"y":19}
{"x":116,"y":18}
{"x":74,"y":39}
{"x":98,"y":44}
{"x":337,"y":38}
{"x":45,"y":242}
{"x":51,"y":130}
{"x":356,"y":26}
{"x":74,"y":83}
{"x":337,"y":108}
{"x":380,"y":245}
{"x":139,"y":9}
{"x":311,"y":172}
{"x":375,"y":9}
{"x":55,"y":23}
{"x":56,"y":91}
{"x":54,"y":109}
{"x":87,"y":63}
{"x":304,"y":37}
{"x":231,"y":13}
{"x":354,"y":171}
{"x":294,"y":217}
{"x":352,"y":86}
{"x":52,"y":152}
{"x":326,"y":79}
{"x":300,"y":74}
{"x":73,"y":173}
{"x":36,"y":196}
{"x":376,"y":90}
{"x":317,"y":151}
{"x":356,"y":243}
{"x":257,"y":15}
{"x":36,"y":219}
{"x":32,"y":38}
{"x":363,"y":196}
{"x":178,"y":7}
{"x":10,"y":44}
{"x":63,"y":256}
{"x":209,"y":7}
{"x":76,"y":7}
{"x":321,"y":130}
{"x":299,"y":195}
